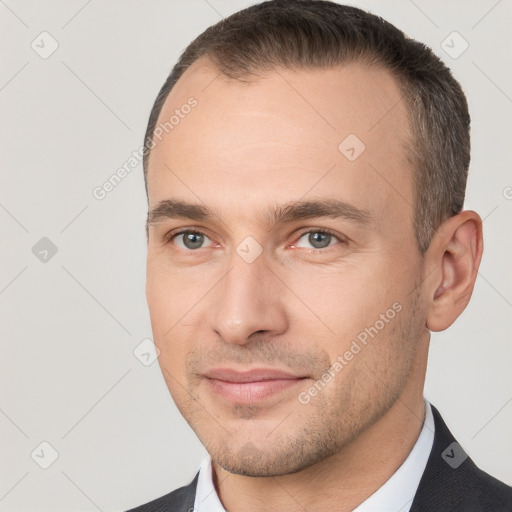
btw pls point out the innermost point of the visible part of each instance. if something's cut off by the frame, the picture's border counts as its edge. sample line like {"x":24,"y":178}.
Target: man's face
{"x":265,"y":278}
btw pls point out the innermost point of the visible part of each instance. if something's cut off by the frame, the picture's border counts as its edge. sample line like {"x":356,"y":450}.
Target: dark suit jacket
{"x":451,"y":482}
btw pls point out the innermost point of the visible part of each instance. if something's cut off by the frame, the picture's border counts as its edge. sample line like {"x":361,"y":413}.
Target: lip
{"x":250,"y":386}
{"x":253,"y":375}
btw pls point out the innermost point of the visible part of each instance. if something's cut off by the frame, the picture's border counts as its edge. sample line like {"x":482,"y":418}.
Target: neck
{"x":345,"y":480}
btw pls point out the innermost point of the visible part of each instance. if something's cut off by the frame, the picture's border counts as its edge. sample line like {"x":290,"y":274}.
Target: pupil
{"x":319,"y":240}
{"x":193,"y":240}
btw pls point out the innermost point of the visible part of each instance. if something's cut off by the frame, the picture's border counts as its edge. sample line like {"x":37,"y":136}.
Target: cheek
{"x":164,"y":309}
{"x":159,"y":299}
{"x":173,"y":348}
{"x":359,"y":303}
{"x":166,"y":295}
{"x":346,"y":299}
{"x":175,"y":308}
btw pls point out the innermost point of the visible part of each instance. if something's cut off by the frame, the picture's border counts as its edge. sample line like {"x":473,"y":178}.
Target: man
{"x":306,"y":167}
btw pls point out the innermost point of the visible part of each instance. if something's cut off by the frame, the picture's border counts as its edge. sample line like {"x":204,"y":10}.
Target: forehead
{"x":282,"y":135}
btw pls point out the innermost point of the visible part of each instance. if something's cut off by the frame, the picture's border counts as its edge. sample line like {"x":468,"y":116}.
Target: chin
{"x":250,"y":460}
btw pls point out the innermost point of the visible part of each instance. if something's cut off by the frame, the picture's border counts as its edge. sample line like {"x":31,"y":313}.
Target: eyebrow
{"x":292,"y":211}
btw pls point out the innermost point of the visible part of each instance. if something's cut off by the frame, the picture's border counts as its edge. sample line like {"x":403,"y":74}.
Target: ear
{"x":452,"y":262}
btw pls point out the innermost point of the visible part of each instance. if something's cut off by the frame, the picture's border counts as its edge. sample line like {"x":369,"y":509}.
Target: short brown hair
{"x":309,"y":34}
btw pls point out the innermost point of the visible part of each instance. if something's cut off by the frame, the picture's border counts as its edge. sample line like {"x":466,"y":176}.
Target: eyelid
{"x":340,"y":238}
{"x":171,"y":235}
{"x":184,"y":229}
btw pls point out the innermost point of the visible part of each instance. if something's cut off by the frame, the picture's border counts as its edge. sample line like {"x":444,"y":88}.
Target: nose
{"x":248,"y":301}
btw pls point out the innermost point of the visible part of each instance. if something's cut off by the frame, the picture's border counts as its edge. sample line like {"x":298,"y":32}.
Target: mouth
{"x":253,"y":386}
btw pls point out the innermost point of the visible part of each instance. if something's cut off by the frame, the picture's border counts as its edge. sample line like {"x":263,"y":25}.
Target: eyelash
{"x":171,"y":236}
{"x":322,"y":231}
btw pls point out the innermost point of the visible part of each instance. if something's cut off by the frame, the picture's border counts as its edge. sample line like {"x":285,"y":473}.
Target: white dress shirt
{"x":396,"y":495}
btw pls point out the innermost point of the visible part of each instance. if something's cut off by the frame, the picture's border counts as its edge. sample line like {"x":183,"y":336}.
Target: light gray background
{"x":68,"y":375}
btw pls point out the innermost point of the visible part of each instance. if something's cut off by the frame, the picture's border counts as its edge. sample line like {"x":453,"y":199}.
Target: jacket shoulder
{"x":452,"y":482}
{"x":179,"y":500}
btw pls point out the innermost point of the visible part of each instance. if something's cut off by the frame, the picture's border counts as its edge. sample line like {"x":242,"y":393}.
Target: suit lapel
{"x":188,"y":496}
{"x":447,"y":468}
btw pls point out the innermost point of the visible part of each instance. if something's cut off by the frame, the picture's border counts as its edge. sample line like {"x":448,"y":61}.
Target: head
{"x":305,"y":215}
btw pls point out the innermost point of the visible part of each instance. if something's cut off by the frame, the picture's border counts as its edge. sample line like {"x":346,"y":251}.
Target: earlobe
{"x":454,"y":255}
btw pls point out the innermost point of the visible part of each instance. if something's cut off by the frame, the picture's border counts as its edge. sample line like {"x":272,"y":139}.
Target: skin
{"x":245,"y":149}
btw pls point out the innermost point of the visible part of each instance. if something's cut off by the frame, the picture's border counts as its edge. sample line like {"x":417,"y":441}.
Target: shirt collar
{"x":397,"y":493}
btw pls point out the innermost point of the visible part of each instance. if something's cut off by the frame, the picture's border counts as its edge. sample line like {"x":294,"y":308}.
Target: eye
{"x":318,"y":239}
{"x":189,"y":240}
